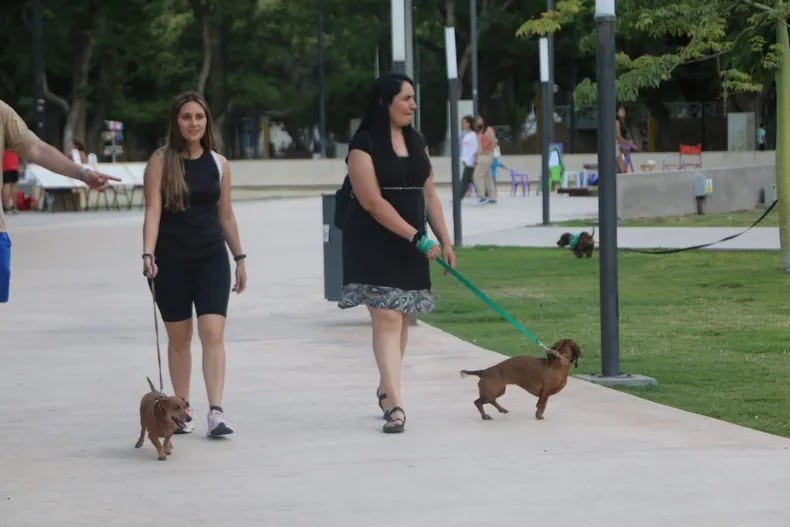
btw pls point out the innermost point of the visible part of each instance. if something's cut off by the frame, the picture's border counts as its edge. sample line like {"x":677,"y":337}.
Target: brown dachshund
{"x":161,"y":415}
{"x":542,"y":377}
{"x":582,"y":244}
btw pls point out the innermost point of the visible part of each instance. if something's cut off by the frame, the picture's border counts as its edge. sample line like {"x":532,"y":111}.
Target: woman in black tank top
{"x":189,"y":220}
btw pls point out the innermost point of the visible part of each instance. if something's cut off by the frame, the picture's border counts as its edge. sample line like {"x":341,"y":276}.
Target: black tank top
{"x":194,"y":232}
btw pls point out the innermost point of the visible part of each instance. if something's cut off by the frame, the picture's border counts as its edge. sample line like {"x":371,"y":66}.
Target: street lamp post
{"x":607,"y":206}
{"x":607,"y":197}
{"x":546,"y":124}
{"x":38,"y":68}
{"x":473,"y":37}
{"x":321,"y":90}
{"x":398,"y":16}
{"x":452,"y":84}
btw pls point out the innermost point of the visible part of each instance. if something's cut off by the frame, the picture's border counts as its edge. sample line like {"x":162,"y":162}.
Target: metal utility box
{"x":703,"y":186}
{"x":333,"y":251}
{"x":769,"y":194}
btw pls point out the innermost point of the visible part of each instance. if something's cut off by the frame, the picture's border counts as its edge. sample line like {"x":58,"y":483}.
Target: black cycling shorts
{"x":10,"y":176}
{"x":204,"y":282}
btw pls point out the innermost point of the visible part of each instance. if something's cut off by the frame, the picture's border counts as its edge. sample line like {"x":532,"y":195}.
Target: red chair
{"x":690,"y":156}
{"x":516,"y":179}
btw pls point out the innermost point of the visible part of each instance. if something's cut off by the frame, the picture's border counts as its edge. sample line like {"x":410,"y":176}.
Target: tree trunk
{"x":202,"y":10}
{"x":75,"y":118}
{"x":782,"y":137}
{"x":467,"y":55}
{"x":93,"y":142}
{"x":201,"y":85}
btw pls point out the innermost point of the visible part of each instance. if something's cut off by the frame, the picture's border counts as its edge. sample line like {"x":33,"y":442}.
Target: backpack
{"x":344,"y":197}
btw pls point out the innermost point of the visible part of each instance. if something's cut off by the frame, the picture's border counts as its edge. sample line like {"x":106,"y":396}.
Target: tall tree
{"x":746,"y":40}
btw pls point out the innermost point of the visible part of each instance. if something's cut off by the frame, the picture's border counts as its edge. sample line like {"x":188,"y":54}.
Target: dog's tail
{"x":151,"y":385}
{"x":464,"y":373}
{"x":593,"y":234}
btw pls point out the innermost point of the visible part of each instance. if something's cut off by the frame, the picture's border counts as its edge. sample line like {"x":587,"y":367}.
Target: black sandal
{"x":394,"y":425}
{"x":381,"y":397}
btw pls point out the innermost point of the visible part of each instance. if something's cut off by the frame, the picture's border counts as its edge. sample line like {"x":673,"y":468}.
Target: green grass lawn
{"x":712,"y":328}
{"x":742,"y":218}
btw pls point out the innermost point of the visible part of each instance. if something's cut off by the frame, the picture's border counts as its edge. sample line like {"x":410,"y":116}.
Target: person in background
{"x":78,"y":152}
{"x":468,"y":154}
{"x":15,"y":134}
{"x":10,"y":179}
{"x":623,"y":137}
{"x":486,"y":143}
{"x":761,"y":137}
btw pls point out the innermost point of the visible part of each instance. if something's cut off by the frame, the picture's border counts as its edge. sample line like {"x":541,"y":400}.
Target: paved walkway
{"x":77,"y":343}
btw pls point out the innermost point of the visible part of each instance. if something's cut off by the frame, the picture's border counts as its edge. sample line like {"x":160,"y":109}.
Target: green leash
{"x":493,"y":305}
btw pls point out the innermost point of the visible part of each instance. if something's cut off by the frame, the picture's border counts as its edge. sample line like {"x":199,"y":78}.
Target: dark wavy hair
{"x":377,"y":118}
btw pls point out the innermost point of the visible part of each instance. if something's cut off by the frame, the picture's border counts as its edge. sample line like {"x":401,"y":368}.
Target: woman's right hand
{"x":150,"y":268}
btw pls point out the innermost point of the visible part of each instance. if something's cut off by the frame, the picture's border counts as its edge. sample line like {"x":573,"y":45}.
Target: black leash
{"x":156,"y":330}
{"x":702,"y":246}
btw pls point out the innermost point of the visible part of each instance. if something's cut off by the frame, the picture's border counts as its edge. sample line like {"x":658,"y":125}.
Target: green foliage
{"x":664,"y":35}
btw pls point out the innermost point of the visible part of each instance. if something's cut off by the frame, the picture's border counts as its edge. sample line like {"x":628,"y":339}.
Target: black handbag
{"x":344,"y":196}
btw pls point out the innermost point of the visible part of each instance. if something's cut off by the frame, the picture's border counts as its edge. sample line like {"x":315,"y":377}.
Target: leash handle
{"x":156,"y":331}
{"x":493,"y":305}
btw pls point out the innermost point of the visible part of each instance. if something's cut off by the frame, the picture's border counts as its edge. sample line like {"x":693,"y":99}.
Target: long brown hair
{"x":174,"y":185}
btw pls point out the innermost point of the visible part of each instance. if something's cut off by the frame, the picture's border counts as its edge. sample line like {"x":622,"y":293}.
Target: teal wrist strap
{"x":425,"y":244}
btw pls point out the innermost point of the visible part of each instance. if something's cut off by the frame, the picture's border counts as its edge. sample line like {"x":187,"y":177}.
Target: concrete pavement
{"x":77,"y":343}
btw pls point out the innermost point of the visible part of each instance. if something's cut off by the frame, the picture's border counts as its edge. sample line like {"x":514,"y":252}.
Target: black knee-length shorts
{"x":182,"y":283}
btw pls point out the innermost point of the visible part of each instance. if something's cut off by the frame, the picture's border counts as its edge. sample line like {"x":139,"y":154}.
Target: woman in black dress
{"x":385,"y":247}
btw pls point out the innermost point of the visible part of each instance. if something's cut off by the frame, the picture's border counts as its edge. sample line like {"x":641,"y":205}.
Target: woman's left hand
{"x":241,"y":277}
{"x":448,"y":255}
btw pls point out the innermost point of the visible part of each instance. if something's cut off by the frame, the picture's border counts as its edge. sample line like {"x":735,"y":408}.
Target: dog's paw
{"x":487,"y":417}
{"x":138,"y":444}
{"x":539,"y":416}
{"x":162,"y":457}
{"x":504,"y":411}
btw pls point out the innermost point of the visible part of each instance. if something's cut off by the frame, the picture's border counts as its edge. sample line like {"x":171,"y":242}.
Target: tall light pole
{"x":398,"y":15}
{"x":408,"y":38}
{"x":473,"y":36}
{"x":38,"y":68}
{"x":452,"y":85}
{"x":321,"y":94}
{"x":607,"y":205}
{"x":607,"y":181}
{"x":546,"y":124}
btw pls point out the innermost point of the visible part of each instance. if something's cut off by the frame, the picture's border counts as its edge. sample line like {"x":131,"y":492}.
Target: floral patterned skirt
{"x":384,"y":297}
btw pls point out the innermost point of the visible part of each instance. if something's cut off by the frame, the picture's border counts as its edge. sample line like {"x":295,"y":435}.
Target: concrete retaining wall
{"x":657,"y":194}
{"x":330,"y":172}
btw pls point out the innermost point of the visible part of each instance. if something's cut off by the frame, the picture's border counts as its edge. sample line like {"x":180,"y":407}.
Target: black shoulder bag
{"x":344,"y":196}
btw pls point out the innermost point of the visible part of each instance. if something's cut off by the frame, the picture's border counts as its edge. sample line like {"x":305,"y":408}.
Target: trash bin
{"x":333,"y":251}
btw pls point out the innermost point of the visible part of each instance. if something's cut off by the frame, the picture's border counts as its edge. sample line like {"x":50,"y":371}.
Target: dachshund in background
{"x":542,"y":377}
{"x":582,"y":244}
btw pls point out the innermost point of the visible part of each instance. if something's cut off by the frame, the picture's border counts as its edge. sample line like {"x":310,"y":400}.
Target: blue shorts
{"x":5,"y":266}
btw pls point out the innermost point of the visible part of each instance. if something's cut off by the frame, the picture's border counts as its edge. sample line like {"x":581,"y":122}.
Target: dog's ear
{"x":158,"y":405}
{"x":576,"y":352}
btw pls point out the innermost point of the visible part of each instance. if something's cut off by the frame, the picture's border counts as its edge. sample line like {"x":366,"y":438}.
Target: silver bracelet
{"x":83,"y":173}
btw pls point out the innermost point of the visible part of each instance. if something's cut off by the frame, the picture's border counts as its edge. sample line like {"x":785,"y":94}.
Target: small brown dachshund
{"x":542,"y":377}
{"x":161,"y":415}
{"x":581,"y":244}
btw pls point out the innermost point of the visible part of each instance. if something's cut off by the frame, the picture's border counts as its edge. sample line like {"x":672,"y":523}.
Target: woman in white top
{"x":468,"y":154}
